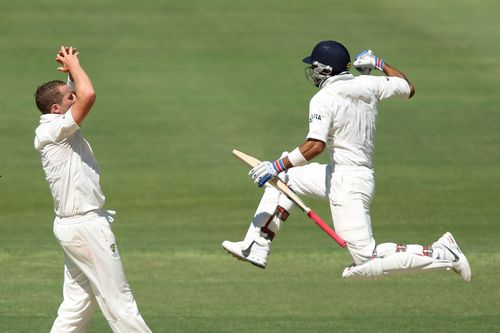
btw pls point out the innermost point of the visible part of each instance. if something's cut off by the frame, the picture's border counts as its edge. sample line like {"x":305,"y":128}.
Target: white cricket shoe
{"x":452,"y":252}
{"x":256,"y":254}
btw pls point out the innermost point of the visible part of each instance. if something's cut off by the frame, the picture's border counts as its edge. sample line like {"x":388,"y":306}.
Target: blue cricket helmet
{"x":330,"y":53}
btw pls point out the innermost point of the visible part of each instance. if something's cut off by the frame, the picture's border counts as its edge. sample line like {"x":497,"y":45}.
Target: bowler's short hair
{"x":48,"y":94}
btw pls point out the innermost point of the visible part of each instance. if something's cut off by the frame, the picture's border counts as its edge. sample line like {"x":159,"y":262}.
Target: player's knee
{"x":77,"y":311}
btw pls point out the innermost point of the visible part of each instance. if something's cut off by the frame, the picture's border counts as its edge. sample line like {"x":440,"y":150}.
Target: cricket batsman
{"x":342,"y":118}
{"x":93,"y":271}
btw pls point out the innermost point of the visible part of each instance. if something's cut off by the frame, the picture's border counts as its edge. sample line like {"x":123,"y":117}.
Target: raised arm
{"x":365,"y":61}
{"x":392,"y":71}
{"x":85,"y":94}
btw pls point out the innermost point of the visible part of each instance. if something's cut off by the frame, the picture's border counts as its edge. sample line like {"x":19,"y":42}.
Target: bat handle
{"x":326,"y":228}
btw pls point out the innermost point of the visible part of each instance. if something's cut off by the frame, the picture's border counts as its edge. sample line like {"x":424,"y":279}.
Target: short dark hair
{"x":48,"y":94}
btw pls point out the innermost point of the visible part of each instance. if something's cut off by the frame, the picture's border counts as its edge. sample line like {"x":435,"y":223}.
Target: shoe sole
{"x":241,"y":258}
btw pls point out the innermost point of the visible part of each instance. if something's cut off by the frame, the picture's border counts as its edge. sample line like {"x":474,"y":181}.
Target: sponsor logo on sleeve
{"x":314,"y":117}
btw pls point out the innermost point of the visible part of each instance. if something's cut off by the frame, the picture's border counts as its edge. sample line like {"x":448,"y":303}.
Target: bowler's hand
{"x":68,"y":58}
{"x":262,"y":172}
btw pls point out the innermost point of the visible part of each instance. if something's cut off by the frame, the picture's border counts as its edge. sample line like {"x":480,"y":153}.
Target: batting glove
{"x":366,"y":60}
{"x":264,"y":171}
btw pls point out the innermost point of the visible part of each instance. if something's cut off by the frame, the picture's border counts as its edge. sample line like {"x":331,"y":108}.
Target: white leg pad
{"x":266,"y":209}
{"x":397,"y":262}
{"x":388,"y":249}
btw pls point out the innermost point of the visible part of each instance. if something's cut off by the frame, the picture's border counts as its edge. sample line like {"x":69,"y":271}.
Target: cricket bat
{"x":283,"y":188}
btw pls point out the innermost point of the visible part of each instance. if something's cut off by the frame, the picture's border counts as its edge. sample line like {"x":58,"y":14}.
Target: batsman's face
{"x":313,"y":75}
{"x":67,"y":101}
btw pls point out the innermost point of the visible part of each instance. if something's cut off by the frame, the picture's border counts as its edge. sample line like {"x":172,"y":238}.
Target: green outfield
{"x":179,"y":85}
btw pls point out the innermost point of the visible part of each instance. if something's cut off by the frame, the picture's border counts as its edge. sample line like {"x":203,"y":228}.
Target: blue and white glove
{"x":265,"y":170}
{"x":366,"y":60}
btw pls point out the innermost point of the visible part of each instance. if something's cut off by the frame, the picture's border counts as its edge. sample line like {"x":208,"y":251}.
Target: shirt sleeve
{"x":66,"y":127}
{"x":389,"y":86}
{"x":56,"y":130}
{"x":319,"y":119}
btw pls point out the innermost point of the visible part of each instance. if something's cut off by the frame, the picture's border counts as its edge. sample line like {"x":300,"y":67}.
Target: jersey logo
{"x":314,"y":116}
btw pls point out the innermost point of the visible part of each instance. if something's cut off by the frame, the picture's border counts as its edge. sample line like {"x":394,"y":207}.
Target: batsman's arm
{"x":266,"y":170}
{"x":309,"y":150}
{"x":392,"y":71}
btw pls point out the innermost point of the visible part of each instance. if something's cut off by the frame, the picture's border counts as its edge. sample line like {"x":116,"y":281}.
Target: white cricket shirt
{"x":343,"y":114}
{"x":69,"y":164}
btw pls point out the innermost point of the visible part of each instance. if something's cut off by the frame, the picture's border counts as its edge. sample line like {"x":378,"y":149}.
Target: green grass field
{"x":182,"y":83}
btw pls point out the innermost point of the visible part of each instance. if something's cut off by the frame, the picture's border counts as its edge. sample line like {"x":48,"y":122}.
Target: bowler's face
{"x":68,"y":99}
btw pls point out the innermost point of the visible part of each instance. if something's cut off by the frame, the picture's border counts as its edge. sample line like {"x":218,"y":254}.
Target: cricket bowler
{"x":93,"y":271}
{"x":342,"y":117}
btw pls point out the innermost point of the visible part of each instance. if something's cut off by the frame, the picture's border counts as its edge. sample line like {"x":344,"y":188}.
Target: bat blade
{"x":249,"y":160}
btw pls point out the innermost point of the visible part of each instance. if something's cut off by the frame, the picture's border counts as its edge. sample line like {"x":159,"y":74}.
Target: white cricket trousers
{"x":93,"y":275}
{"x":349,"y":191}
